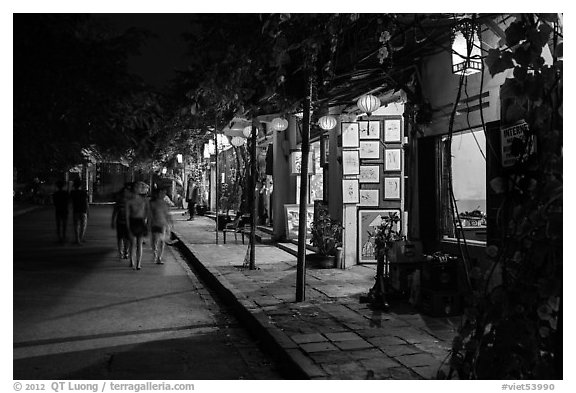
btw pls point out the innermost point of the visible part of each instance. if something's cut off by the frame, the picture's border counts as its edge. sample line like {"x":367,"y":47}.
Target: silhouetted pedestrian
{"x":60,"y":199}
{"x":80,"y":210}
{"x":119,"y":220}
{"x":159,"y":223}
{"x":137,"y":213}
{"x":192,"y":197}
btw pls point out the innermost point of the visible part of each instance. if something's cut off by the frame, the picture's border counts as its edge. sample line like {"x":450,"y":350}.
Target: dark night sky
{"x":162,"y":54}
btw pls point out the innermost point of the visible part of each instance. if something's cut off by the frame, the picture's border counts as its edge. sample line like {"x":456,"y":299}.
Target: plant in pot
{"x":326,"y":237}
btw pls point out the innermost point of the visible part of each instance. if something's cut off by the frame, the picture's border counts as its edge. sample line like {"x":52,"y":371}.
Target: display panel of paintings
{"x":292,"y":216}
{"x":370,"y":150}
{"x":350,"y":162}
{"x":369,"y":174}
{"x":369,"y":129}
{"x":350,"y":135}
{"x":350,"y":191}
{"x":392,"y":160}
{"x":391,"y":187}
{"x":368,"y":221}
{"x":296,"y":163}
{"x":369,"y":198}
{"x":392,"y":131}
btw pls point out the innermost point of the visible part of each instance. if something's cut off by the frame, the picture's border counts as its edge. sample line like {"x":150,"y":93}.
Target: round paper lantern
{"x":368,"y":103}
{"x":327,"y":122}
{"x":237,"y":141}
{"x":247,"y":131}
{"x":279,"y":124}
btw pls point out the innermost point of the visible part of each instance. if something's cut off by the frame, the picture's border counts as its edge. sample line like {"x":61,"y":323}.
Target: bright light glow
{"x":179,"y":158}
{"x":164,"y":170}
{"x":327,"y":122}
{"x":368,"y":103}
{"x":279,"y":124}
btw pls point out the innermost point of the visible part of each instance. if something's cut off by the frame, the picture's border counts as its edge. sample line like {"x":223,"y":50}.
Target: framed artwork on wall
{"x":392,"y":159}
{"x":370,"y":149}
{"x":350,"y":162}
{"x":392,"y":187}
{"x":368,"y":220}
{"x":369,"y":174}
{"x":392,"y":130}
{"x":350,"y":191}
{"x":369,"y":129}
{"x":292,"y":216}
{"x":369,"y":198}
{"x":350,"y":135}
{"x":296,"y":162}
{"x":324,"y":150}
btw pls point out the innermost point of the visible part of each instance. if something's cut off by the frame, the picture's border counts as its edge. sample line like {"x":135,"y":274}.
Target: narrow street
{"x":81,"y":313}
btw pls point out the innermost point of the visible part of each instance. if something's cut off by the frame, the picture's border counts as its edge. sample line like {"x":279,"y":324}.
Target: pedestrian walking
{"x":80,"y":210}
{"x":119,"y":220}
{"x":192,"y":197}
{"x":160,"y":222}
{"x":61,"y":199}
{"x":137,"y":213}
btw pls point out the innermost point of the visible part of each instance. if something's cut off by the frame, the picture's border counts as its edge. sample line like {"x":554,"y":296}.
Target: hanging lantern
{"x":279,"y":124}
{"x":368,"y":103}
{"x":466,"y":55}
{"x":164,"y":170}
{"x":327,"y":122}
{"x":247,"y":131}
{"x":237,"y":141}
{"x":179,"y":158}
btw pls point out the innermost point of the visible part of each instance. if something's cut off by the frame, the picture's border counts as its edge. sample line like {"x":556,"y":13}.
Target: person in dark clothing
{"x":80,"y":210}
{"x":119,"y":220}
{"x":60,"y":200}
{"x":192,"y":197}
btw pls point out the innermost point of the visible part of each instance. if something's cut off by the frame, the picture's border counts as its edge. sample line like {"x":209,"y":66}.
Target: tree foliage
{"x":514,"y":331}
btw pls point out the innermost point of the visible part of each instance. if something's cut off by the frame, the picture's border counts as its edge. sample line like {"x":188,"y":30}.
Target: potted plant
{"x":326,"y":237}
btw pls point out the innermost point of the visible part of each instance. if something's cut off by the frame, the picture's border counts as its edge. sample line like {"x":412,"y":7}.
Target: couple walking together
{"x":134,"y":215}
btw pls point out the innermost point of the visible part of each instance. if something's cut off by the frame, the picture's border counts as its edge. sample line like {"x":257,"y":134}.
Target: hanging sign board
{"x":508,"y":136}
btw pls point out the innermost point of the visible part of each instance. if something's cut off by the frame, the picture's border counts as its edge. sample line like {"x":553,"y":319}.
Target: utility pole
{"x":302,"y":223}
{"x":254,"y":208}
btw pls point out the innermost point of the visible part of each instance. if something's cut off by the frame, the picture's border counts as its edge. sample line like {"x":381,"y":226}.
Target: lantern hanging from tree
{"x":237,"y":141}
{"x":368,"y":103}
{"x":466,"y":55}
{"x":327,"y":122}
{"x":279,"y":124}
{"x":247,"y":131}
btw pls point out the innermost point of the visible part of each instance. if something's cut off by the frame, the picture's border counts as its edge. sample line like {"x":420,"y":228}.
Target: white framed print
{"x":350,"y":134}
{"x":392,"y":130}
{"x":369,"y":198}
{"x":350,"y":162}
{"x":373,"y":130}
{"x":363,"y":129}
{"x":392,"y":187}
{"x":369,"y":174}
{"x":350,"y":191}
{"x":392,"y":159}
{"x":370,"y":149}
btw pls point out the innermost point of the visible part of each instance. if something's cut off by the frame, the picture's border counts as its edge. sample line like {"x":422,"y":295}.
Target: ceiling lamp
{"x":237,"y":141}
{"x":279,"y":124}
{"x":247,"y":131}
{"x":368,"y":103}
{"x":466,"y":55}
{"x":327,"y":122}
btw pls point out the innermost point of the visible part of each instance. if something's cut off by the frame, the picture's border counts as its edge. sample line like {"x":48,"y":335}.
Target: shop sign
{"x":509,"y":135}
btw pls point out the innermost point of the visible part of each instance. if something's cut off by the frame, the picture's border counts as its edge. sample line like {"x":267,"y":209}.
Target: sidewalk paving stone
{"x":330,"y":335}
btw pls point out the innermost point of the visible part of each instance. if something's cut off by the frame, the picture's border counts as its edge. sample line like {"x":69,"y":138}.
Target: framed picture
{"x":392,"y":187}
{"x":350,"y":135}
{"x":370,"y":150}
{"x":368,"y":220}
{"x":392,"y":130}
{"x":350,"y":162}
{"x":369,"y":197}
{"x":363,"y":129}
{"x":296,"y":162}
{"x":324,"y":150}
{"x":292,"y":215}
{"x":350,"y":191}
{"x":369,"y":174}
{"x":392,"y":159}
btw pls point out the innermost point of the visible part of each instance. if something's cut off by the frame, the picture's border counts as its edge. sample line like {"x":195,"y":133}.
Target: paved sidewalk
{"x":330,"y":335}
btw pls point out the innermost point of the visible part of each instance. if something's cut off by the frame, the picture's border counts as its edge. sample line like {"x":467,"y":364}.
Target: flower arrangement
{"x":385,"y":234}
{"x":326,"y":234}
